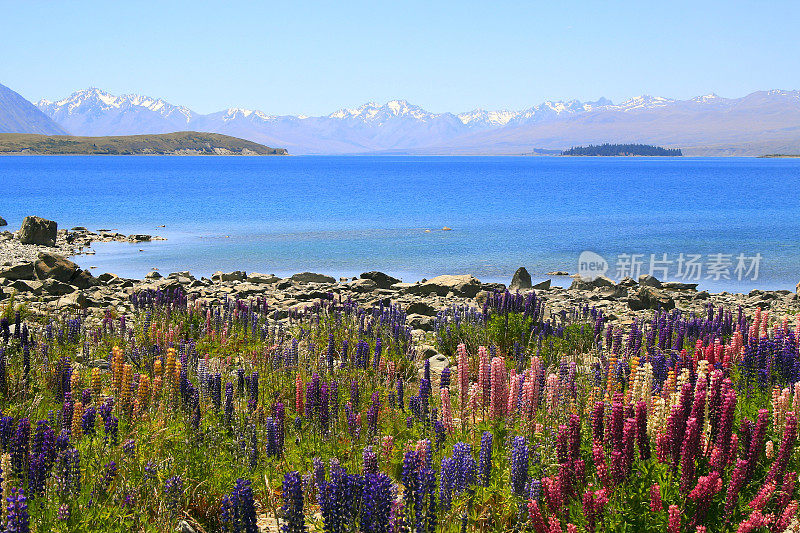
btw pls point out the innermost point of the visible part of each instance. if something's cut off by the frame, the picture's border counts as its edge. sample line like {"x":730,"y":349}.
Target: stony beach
{"x":43,"y":276}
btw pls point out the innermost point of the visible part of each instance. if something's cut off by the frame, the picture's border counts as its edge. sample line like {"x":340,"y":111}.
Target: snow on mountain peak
{"x":103,"y":101}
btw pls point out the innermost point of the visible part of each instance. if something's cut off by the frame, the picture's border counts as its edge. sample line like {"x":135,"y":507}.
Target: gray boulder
{"x":236,"y":275}
{"x":3,"y":222}
{"x":383,"y":281}
{"x":587,"y":285}
{"x":22,"y":285}
{"x":460,"y":285}
{"x":23,"y":271}
{"x":311,"y":277}
{"x":521,"y":280}
{"x":542,"y":285}
{"x":54,"y":266}
{"x":262,"y":279}
{"x":650,"y":298}
{"x":361,"y":285}
{"x":649,"y":281}
{"x":420,"y":308}
{"x":57,"y":288}
{"x":38,"y":230}
{"x":50,"y":266}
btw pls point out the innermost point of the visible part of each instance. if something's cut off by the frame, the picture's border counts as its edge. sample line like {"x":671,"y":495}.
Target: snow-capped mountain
{"x":97,"y":112}
{"x":706,"y":124}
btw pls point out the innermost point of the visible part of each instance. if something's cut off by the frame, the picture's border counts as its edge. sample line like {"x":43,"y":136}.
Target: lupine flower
{"x":293,"y":517}
{"x":674,"y":520}
{"x":18,"y":518}
{"x":755,"y":521}
{"x":238,"y":512}
{"x":656,"y":505}
{"x":173,"y":491}
{"x":519,"y":466}
{"x":378,"y":497}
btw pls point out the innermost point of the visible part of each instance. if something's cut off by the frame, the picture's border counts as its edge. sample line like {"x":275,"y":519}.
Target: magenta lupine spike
{"x":656,"y":505}
{"x":463,"y":376}
{"x":763,"y":496}
{"x":447,"y":412}
{"x":484,"y":376}
{"x":724,"y":432}
{"x":642,"y":438}
{"x":689,"y":449}
{"x":562,"y":444}
{"x":499,"y":390}
{"x":699,"y":404}
{"x":785,"y":451}
{"x":553,"y":494}
{"x":674,"y":520}
{"x":574,"y":437}
{"x":628,"y":437}
{"x":614,"y":431}
{"x":755,"y":521}
{"x":737,"y":480}
{"x":702,"y":494}
{"x":597,"y":422}
{"x":757,"y":441}
{"x":536,"y":517}
{"x":789,"y":514}
{"x":786,"y":490}
{"x":600,"y":464}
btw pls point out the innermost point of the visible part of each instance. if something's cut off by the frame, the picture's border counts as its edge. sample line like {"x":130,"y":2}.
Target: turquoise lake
{"x":345,"y":215}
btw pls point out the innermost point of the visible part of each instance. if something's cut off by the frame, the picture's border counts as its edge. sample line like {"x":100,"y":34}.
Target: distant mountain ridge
{"x":17,"y":115}
{"x":761,"y":122}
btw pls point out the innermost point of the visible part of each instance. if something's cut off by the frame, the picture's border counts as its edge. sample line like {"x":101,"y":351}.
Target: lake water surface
{"x":345,"y":215}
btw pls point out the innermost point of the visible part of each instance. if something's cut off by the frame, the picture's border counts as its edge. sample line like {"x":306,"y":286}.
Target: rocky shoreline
{"x":45,"y":279}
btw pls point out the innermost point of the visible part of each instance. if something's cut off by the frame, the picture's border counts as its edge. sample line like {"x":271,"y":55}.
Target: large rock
{"x":460,"y":285}
{"x":57,"y":288}
{"x":236,"y":275}
{"x":650,"y":298}
{"x":75,"y":299}
{"x":22,"y":285}
{"x":23,"y":271}
{"x":38,"y":230}
{"x":649,"y":281}
{"x":383,"y":281}
{"x":54,"y":266}
{"x":262,"y":279}
{"x":3,"y":222}
{"x":521,"y":280}
{"x":542,"y":285}
{"x":587,"y":285}
{"x":311,"y":277}
{"x":420,"y":308}
{"x":361,"y":285}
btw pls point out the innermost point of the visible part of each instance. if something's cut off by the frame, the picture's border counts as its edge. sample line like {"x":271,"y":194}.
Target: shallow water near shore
{"x":344,"y":215}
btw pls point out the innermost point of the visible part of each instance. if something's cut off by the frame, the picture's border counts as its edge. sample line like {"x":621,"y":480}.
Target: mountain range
{"x":759,"y":123}
{"x":17,"y":115}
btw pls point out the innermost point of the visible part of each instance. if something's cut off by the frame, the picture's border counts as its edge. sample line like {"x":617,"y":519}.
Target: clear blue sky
{"x":315,"y":57}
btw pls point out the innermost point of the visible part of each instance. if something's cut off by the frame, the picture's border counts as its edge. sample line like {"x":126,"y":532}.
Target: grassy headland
{"x":178,"y":143}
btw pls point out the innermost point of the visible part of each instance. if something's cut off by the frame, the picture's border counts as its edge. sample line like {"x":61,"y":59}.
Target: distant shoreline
{"x":179,"y":143}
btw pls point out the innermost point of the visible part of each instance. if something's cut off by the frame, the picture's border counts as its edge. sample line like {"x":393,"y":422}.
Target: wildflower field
{"x":235,"y":418}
